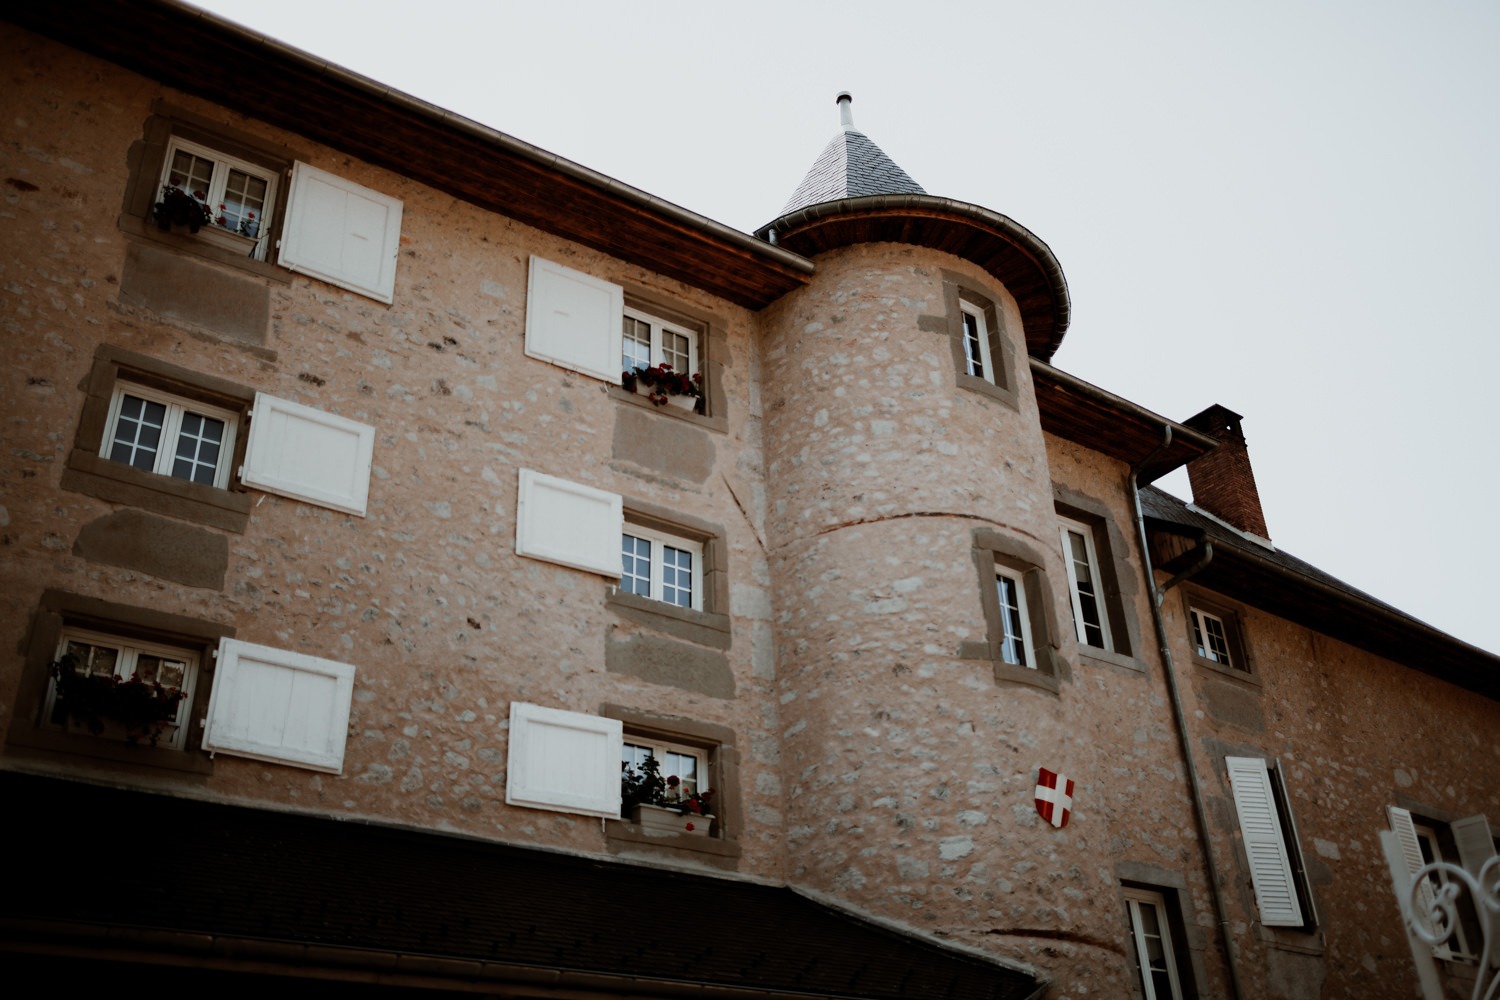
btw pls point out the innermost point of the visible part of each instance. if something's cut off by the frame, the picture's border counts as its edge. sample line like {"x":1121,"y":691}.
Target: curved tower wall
{"x":909,"y":768}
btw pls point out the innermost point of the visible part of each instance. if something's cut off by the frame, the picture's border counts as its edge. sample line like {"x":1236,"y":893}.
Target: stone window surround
{"x":1234,"y":626}
{"x":708,"y":627}
{"x":992,"y":549}
{"x":1111,"y":548}
{"x":86,"y":471}
{"x":59,"y":609}
{"x":1187,"y":936}
{"x":721,"y":848}
{"x":147,"y":161}
{"x":958,"y":290}
{"x":713,"y":348}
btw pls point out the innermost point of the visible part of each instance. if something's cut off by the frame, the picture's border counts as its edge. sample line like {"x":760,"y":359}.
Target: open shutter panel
{"x":276,"y":705}
{"x":568,"y":523}
{"x":307,"y":454}
{"x":563,"y":761}
{"x":573,"y":320}
{"x":1476,"y":844}
{"x":1411,"y":853}
{"x":341,"y":232}
{"x":1270,"y":868}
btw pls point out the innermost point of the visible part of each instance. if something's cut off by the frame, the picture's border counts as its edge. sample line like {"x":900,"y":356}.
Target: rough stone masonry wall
{"x":1355,"y":734}
{"x":910,"y":770}
{"x":425,"y":595}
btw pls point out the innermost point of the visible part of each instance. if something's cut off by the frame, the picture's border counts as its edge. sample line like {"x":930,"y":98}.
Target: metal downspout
{"x":1158,"y":594}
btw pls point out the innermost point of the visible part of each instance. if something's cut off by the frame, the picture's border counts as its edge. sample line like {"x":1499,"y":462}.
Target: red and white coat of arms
{"x":1054,"y":797}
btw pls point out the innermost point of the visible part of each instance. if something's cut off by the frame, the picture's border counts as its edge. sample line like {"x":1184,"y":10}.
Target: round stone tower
{"x":908,"y":482}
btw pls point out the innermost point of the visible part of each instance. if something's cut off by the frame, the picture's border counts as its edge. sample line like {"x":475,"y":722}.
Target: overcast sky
{"x":1289,"y":208}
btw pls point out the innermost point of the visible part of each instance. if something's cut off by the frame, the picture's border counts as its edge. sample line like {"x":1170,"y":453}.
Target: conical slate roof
{"x":850,"y":166}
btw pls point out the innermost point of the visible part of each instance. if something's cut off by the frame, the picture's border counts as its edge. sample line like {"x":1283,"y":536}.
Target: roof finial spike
{"x":846,"y":117}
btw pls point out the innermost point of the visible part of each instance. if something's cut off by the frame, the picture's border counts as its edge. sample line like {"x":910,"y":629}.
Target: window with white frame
{"x":649,"y":341}
{"x":977,"y":361}
{"x":1425,"y":841}
{"x":169,"y":435}
{"x":683,"y":768}
{"x":1085,"y":584}
{"x":1269,"y":836}
{"x":660,"y":566}
{"x":1015,"y":620}
{"x":1156,"y":959}
{"x":121,"y":688}
{"x":239,"y":195}
{"x":1211,"y":637}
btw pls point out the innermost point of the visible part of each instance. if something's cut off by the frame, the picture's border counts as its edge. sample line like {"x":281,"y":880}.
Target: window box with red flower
{"x":665,"y":806}
{"x":664,"y":387}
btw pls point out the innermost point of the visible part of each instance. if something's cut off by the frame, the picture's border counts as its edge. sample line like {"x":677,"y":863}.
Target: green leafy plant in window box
{"x":142,"y":709}
{"x":660,"y":804}
{"x":663,"y":386}
{"x":178,"y":208}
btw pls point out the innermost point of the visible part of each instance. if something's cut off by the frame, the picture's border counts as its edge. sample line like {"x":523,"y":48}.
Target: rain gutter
{"x":1195,"y":787}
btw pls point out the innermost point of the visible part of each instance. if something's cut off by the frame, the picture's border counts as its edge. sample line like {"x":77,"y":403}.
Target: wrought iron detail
{"x":1432,"y":915}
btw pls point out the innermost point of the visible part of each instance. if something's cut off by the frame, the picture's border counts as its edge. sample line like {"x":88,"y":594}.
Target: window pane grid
{"x":635,"y":556}
{"x":137,"y":434}
{"x":661,"y":567}
{"x":156,"y":432}
{"x":198,"y":445}
{"x":238,"y":193}
{"x":637,"y":344}
{"x":674,"y":352}
{"x":677,"y":577}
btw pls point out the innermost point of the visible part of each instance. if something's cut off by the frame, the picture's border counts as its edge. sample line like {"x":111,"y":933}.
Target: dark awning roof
{"x":172,"y":880}
{"x":251,"y":73}
{"x":1282,"y":584}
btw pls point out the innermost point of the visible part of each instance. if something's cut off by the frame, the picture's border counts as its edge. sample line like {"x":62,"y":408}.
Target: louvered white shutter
{"x":568,"y":523}
{"x":307,"y":454}
{"x":1476,"y":844}
{"x":574,"y":320}
{"x":1411,"y":853}
{"x":1265,"y":844}
{"x":281,"y":706}
{"x":563,"y":761}
{"x":341,"y":232}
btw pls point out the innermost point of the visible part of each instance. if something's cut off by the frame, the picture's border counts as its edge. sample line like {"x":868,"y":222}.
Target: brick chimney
{"x":1223,"y":482}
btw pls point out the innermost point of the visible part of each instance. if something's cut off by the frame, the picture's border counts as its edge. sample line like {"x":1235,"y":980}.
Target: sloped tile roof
{"x":850,"y":166}
{"x":240,"y":881}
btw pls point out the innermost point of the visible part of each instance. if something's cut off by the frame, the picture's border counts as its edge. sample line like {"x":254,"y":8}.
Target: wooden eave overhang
{"x":1274,"y":585}
{"x":250,"y":73}
{"x":1088,"y":415}
{"x":1009,"y":251}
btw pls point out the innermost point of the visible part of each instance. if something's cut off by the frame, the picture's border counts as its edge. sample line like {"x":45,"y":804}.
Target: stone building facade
{"x":358,"y":474}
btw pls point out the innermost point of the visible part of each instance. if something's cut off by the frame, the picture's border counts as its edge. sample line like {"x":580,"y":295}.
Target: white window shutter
{"x":341,"y":232}
{"x":563,"y":761}
{"x":1411,"y":853}
{"x":573,"y":320}
{"x":568,"y":523}
{"x":1476,"y":844}
{"x":300,"y":452}
{"x":1265,"y":845}
{"x":281,"y":706}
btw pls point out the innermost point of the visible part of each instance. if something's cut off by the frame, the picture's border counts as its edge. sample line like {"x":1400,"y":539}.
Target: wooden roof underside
{"x":259,"y":77}
{"x":1083,"y":413}
{"x":1006,"y":250}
